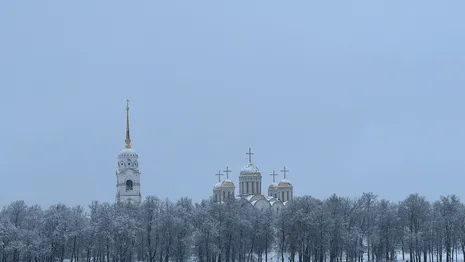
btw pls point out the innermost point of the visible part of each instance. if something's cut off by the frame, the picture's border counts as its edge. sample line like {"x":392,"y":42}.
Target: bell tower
{"x":127,"y":172}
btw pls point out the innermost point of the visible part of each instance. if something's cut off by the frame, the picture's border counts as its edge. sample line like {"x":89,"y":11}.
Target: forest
{"x":335,"y":229}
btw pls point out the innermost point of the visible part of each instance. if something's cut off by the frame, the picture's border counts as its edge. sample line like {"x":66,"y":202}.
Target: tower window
{"x":129,"y":185}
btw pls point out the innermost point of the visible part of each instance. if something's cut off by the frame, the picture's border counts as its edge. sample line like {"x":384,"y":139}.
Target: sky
{"x":350,"y":96}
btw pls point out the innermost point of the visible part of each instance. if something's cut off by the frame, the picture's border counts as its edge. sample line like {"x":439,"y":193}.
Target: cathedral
{"x":250,"y":188}
{"x":127,"y":171}
{"x":250,"y":181}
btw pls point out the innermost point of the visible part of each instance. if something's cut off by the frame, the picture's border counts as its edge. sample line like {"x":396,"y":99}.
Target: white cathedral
{"x":250,"y":182}
{"x":250,"y":188}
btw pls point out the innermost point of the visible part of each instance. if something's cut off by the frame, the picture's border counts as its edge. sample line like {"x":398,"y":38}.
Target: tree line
{"x":307,"y":229}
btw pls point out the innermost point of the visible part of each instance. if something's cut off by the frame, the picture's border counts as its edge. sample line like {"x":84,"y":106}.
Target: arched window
{"x":128,"y":185}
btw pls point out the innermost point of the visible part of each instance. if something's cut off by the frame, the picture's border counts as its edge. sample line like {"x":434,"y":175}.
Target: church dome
{"x":128,"y":152}
{"x":250,"y":170}
{"x":273,"y":186}
{"x":285,"y":183}
{"x":227,"y":183}
{"x":217,"y":185}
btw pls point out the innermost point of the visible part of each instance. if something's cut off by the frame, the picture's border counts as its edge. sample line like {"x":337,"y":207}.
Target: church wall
{"x":262,"y":204}
{"x":250,"y":185}
{"x":221,"y":194}
{"x":124,"y":194}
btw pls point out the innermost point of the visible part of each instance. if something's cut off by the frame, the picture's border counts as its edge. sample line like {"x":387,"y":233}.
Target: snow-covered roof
{"x":273,"y":185}
{"x":271,"y":198}
{"x":253,"y":198}
{"x":284,"y":183}
{"x":276,"y":202}
{"x":250,"y":169}
{"x":261,"y":203}
{"x":127,"y":152}
{"x":227,"y":183}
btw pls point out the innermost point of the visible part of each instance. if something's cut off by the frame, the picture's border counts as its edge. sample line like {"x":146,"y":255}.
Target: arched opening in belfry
{"x":128,"y":185}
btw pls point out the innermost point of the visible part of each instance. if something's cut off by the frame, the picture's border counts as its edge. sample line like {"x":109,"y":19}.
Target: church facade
{"x":127,"y":171}
{"x":250,"y":188}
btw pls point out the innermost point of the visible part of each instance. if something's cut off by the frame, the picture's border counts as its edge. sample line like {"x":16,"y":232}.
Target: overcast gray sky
{"x":352,"y":96}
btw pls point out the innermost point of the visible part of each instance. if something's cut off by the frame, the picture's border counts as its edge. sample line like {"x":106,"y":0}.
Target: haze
{"x":351,"y":96}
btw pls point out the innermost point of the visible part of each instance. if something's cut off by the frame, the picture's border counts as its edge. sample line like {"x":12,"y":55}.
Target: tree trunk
{"x":403,"y":251}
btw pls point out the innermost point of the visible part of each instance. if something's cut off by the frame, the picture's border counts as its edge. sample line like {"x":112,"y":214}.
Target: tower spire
{"x":128,"y":137}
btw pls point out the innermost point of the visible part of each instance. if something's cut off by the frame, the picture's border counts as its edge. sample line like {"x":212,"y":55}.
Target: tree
{"x":415,"y":210}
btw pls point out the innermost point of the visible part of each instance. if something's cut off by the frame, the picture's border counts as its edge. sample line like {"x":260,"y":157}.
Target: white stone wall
{"x":284,"y":194}
{"x":128,"y":170}
{"x":250,"y":185}
{"x":262,"y":204}
{"x":273,"y":192}
{"x":221,"y":194}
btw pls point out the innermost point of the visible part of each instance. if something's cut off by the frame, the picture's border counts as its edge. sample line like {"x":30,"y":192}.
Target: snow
{"x":249,"y":169}
{"x":127,"y":152}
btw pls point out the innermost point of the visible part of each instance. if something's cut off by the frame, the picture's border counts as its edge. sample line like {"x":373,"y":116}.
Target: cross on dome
{"x":274,"y":175}
{"x":219,"y":175}
{"x":284,"y":171}
{"x":227,"y":172}
{"x":250,"y":155}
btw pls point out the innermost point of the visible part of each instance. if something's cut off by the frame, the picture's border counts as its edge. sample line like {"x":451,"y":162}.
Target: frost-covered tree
{"x":414,"y":210}
{"x":307,"y":229}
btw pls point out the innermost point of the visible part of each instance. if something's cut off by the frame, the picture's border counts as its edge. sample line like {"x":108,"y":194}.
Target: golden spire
{"x":128,"y":137}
